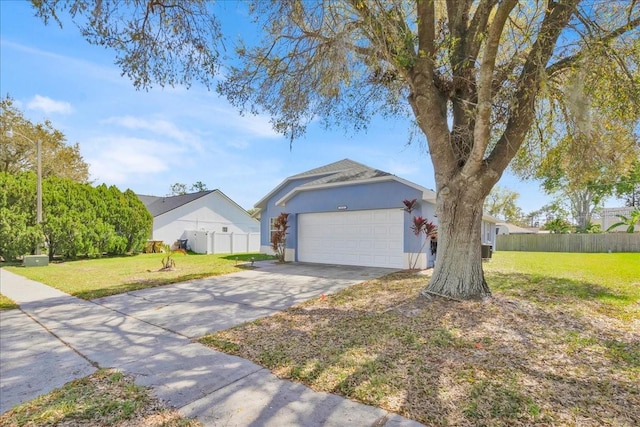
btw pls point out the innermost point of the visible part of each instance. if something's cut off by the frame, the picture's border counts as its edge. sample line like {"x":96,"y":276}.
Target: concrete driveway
{"x":55,"y":338}
{"x":198,"y":307}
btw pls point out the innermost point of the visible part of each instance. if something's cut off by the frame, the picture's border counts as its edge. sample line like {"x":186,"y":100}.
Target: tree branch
{"x":522,"y":107}
{"x":569,"y":61}
{"x":482,"y":127}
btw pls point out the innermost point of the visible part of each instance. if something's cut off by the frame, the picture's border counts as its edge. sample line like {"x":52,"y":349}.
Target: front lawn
{"x":94,"y":278}
{"x":106,"y":398}
{"x":559,"y":344}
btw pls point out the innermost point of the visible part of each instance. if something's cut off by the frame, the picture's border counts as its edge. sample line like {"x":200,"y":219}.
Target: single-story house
{"x":508,"y":228}
{"x":609,"y":216}
{"x":348,"y":213}
{"x":209,"y":222}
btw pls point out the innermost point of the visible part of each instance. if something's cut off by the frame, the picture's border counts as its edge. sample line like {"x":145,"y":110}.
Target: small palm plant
{"x":168,"y":262}
{"x":630,"y":221}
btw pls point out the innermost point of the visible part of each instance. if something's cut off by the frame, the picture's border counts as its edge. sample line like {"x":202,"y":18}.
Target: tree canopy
{"x":482,"y":80}
{"x":628,"y":186}
{"x":501,"y":203}
{"x":78,"y":219}
{"x":18,"y":152}
{"x":179,"y":188}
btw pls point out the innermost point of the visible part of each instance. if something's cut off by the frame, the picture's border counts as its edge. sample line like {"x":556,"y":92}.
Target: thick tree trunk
{"x":458,"y":269}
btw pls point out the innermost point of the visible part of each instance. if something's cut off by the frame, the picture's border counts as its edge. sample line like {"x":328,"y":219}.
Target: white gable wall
{"x":208,"y":213}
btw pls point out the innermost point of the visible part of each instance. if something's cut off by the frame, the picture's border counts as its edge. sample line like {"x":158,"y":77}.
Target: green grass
{"x":608,"y":283}
{"x":106,"y":398}
{"x":558,"y":344}
{"x":6,"y":303}
{"x":620,"y":271}
{"x":94,"y":278}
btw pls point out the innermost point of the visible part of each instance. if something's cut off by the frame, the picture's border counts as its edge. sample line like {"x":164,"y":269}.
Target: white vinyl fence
{"x":205,"y":242}
{"x":606,"y":242}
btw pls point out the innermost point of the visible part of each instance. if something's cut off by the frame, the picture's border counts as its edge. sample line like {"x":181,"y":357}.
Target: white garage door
{"x":371,"y":238}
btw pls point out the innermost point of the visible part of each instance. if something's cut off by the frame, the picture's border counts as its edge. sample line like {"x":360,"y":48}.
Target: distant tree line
{"x":78,"y":219}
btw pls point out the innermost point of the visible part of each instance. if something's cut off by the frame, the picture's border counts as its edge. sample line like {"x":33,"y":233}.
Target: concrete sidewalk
{"x":55,"y":338}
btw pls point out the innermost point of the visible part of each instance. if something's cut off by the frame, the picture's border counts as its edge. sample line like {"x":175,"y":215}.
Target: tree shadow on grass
{"x":141,"y":284}
{"x":546,"y":287}
{"x":501,"y":362}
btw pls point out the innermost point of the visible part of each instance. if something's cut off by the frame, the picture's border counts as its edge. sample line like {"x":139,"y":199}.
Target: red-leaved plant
{"x":422,"y":226}
{"x":279,"y":235}
{"x":410,"y":205}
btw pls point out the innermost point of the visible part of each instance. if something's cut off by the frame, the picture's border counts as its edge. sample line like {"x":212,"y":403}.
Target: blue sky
{"x":147,"y":141}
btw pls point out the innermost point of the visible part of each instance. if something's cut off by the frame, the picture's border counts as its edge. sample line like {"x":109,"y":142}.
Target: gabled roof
{"x":489,"y":218}
{"x":343,"y":172}
{"x":160,"y":205}
{"x":331,"y":168}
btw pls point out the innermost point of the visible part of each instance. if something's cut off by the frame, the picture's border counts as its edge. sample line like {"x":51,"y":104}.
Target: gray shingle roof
{"x":160,"y":205}
{"x":339,"y":166}
{"x":343,"y":171}
{"x":355,"y":172}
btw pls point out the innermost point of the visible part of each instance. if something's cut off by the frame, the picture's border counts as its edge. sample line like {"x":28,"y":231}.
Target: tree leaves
{"x":18,"y":153}
{"x":168,"y":42}
{"x":78,"y":219}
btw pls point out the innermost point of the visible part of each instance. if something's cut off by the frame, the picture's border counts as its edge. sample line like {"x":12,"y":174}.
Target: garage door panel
{"x":351,"y":244}
{"x":377,"y":244}
{"x":368,"y":238}
{"x":396,"y":245}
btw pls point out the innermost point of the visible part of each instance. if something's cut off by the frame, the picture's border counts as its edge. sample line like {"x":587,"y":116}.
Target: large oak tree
{"x":472,"y":74}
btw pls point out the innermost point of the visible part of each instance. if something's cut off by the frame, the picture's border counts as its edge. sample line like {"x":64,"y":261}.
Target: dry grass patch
{"x":510,"y":361}
{"x":7,"y":303}
{"x":106,"y":398}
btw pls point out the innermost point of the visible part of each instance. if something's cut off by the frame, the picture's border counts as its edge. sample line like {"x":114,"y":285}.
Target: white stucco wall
{"x":488,"y":233}
{"x":208,"y":213}
{"x":609,"y":216}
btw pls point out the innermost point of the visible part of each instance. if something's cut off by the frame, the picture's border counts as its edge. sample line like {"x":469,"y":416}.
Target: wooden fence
{"x":606,"y":242}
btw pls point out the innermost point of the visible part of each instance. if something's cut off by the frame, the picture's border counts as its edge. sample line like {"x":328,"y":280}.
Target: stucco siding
{"x":272,"y":211}
{"x":382,"y":195}
{"x":209,"y":213}
{"x":347,"y":198}
{"x":488,"y":233}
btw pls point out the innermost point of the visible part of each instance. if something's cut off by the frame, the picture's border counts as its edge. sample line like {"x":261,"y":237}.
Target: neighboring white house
{"x":609,"y":216}
{"x":209,"y":222}
{"x":508,"y":228}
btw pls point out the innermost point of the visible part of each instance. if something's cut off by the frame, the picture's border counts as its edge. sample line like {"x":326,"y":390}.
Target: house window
{"x":272,"y":229}
{"x":225,"y":229}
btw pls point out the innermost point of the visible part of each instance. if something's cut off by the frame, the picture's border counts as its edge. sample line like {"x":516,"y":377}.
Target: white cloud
{"x":119,"y":160}
{"x":402,"y":169}
{"x":48,"y":105}
{"x":258,"y":126}
{"x":225,"y":118}
{"x":160,"y":127}
{"x":239,"y":144}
